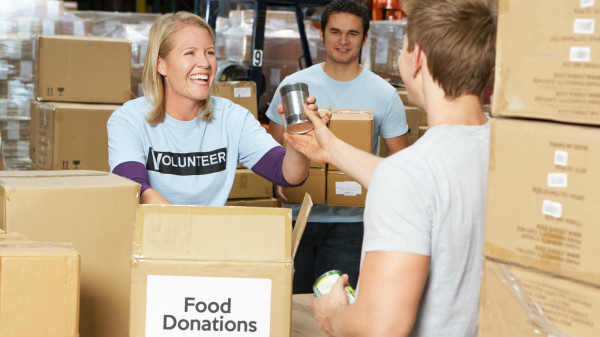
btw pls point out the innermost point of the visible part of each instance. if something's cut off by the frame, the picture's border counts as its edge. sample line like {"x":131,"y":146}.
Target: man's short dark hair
{"x":346,"y":6}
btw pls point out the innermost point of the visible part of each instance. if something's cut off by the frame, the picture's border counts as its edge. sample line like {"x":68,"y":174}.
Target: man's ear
{"x":418,"y":59}
{"x":161,"y":67}
{"x":321,"y":35}
{"x":365,"y":39}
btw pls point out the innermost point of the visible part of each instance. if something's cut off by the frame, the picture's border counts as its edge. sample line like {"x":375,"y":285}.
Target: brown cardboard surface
{"x":541,"y":201}
{"x":248,"y":184}
{"x":354,"y":127}
{"x":239,"y":92}
{"x":314,"y":185}
{"x":93,"y":210}
{"x":198,"y":244}
{"x":344,"y":191}
{"x":70,"y":135}
{"x":87,"y":69}
{"x":267,"y":202}
{"x":518,"y":301}
{"x":303,"y":321}
{"x":548,"y":64}
{"x":39,"y":288}
{"x":301,"y":221}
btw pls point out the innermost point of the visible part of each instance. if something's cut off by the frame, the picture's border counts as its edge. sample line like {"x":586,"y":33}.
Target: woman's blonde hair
{"x":160,"y":44}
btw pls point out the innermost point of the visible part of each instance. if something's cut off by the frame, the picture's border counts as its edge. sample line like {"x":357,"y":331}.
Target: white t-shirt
{"x":367,"y":91}
{"x":429,"y":199}
{"x":188,"y":162}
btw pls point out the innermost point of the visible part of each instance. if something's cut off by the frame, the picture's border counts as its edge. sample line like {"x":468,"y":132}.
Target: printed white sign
{"x":561,"y":157}
{"x":242,"y":92}
{"x":580,"y":54}
{"x":587,"y":3}
{"x":584,"y":26}
{"x":551,"y":208}
{"x":185,"y":306}
{"x":348,"y":188}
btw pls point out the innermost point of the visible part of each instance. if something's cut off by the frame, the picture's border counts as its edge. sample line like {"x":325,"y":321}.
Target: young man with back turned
{"x":424,"y":217}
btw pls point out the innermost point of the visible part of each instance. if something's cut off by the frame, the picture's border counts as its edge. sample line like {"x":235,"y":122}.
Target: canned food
{"x":324,"y":283}
{"x":293,"y":97}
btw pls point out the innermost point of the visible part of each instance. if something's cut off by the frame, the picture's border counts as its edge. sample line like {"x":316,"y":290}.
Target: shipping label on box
{"x":344,"y":191}
{"x":541,"y":201}
{"x":93,"y":210}
{"x":206,"y":270}
{"x":548,"y":64}
{"x":86,"y":69}
{"x":517,"y":301}
{"x":70,"y":136}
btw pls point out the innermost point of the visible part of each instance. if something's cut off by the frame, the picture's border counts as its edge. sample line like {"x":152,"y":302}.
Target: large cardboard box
{"x":548,"y":63}
{"x":39,"y":288}
{"x":93,"y":210}
{"x":314,"y":185}
{"x":86,"y":69}
{"x":239,"y":92}
{"x":517,"y":301}
{"x":353,"y":126}
{"x":542,"y":199}
{"x":207,"y":270}
{"x":70,"y":136}
{"x":248,"y":184}
{"x":344,"y":191}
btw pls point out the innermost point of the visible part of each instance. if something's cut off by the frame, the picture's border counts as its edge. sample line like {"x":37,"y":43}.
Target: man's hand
{"x":314,"y":144}
{"x":280,"y":195}
{"x":325,"y":305}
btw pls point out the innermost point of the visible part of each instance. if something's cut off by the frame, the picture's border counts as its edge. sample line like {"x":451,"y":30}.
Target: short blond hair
{"x":160,"y":44}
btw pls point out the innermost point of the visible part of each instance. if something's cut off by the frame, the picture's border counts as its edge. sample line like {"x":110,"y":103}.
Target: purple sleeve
{"x":270,"y":167}
{"x":135,"y":171}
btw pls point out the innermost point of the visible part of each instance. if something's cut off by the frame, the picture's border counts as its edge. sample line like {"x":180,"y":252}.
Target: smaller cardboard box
{"x":82,"y":69}
{"x":239,"y":92}
{"x":344,"y":191}
{"x":314,"y":185}
{"x":353,"y":126}
{"x":213,"y":270}
{"x":70,"y":136}
{"x":39,"y":288}
{"x":524,"y":302}
{"x":266,"y":202}
{"x":248,"y":185}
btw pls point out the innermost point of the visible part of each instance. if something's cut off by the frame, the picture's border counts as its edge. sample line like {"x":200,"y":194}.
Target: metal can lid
{"x":299,"y":86}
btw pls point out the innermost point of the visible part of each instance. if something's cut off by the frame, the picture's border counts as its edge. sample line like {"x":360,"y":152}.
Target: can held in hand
{"x":293,"y":97}
{"x":324,"y":283}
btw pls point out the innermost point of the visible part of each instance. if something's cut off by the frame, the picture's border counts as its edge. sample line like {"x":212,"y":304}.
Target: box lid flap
{"x":300,"y":225}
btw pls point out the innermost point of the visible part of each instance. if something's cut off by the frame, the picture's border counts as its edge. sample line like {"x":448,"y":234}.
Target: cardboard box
{"x":248,"y":184}
{"x":344,"y":191}
{"x":93,"y":210}
{"x":353,"y":126}
{"x":522,"y":302}
{"x":267,"y":202}
{"x":548,"y":64}
{"x":39,"y":288}
{"x":70,"y":136}
{"x":195,"y":265}
{"x":86,"y":69}
{"x":315,"y":186}
{"x":303,"y":320}
{"x":542,"y":200}
{"x":239,"y":92}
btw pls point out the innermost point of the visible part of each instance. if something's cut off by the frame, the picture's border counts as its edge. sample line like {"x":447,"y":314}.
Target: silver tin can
{"x":293,"y":97}
{"x":324,"y":283}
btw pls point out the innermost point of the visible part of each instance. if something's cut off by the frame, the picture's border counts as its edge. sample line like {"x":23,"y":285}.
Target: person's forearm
{"x":295,"y":166}
{"x":151,"y":196}
{"x":357,"y":164}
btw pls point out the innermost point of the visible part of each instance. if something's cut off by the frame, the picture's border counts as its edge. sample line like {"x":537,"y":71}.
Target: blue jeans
{"x":325,"y":246}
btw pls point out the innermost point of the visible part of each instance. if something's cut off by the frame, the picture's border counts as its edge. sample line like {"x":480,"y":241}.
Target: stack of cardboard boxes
{"x":326,"y":183}
{"x":541,"y":275}
{"x":249,"y":189}
{"x":79,"y":82}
